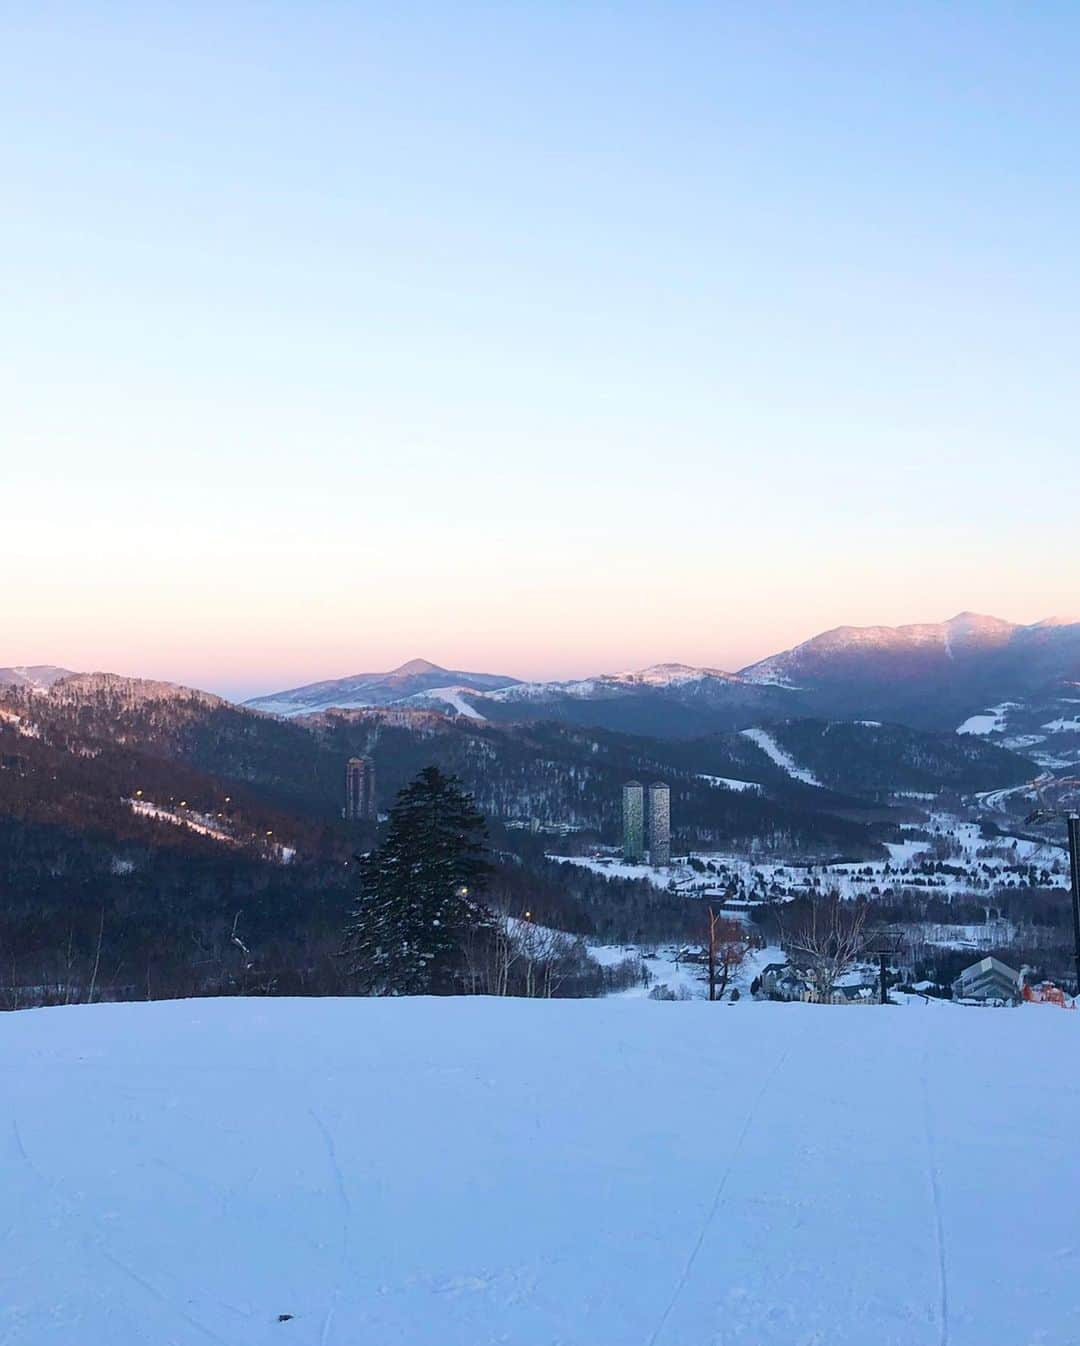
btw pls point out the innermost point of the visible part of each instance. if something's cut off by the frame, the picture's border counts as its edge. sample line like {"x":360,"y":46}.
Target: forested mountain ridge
{"x":199,"y":846}
{"x":869,"y":758}
{"x":116,"y":733}
{"x":555,"y":773}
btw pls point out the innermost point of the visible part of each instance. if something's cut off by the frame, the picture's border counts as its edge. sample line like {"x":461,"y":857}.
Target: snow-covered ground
{"x":194,"y":822}
{"x":970,"y":863}
{"x":728,"y":783}
{"x":588,"y":1173}
{"x":20,"y":725}
{"x":206,"y":825}
{"x":1011,"y":725}
{"x":991,"y":721}
{"x":687,"y":979}
{"x":784,"y":760}
{"x":997,"y":801}
{"x":446,"y":698}
{"x":1063,"y":726}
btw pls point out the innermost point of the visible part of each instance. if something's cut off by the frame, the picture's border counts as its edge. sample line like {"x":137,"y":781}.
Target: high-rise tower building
{"x":659,"y":824}
{"x":633,"y":817}
{"x":360,"y":790}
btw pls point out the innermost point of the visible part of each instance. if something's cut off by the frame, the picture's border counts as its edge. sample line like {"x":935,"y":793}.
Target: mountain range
{"x":124,"y":757}
{"x":417,"y":678}
{"x":140,"y":821}
{"x":1016,"y":687}
{"x":972,"y":673}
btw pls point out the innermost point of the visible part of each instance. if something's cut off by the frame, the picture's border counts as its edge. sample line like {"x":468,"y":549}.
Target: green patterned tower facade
{"x":659,"y":824}
{"x":633,"y":813}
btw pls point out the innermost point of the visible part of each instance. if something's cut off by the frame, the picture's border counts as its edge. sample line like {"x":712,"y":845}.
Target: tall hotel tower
{"x":633,"y":819}
{"x":360,"y":790}
{"x":659,"y":824}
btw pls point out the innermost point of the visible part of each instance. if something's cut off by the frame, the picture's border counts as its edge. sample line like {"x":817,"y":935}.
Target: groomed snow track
{"x":592,"y":1173}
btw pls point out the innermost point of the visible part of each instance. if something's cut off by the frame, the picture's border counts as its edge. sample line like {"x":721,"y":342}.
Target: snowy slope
{"x":776,"y":753}
{"x":991,"y":722}
{"x":443,"y":699}
{"x":598,"y":1173}
{"x":375,"y":689}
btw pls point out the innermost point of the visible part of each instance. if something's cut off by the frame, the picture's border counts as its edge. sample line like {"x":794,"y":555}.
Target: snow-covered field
{"x":971,"y":863}
{"x":992,"y":722}
{"x":727,"y":783}
{"x":586,"y":1173}
{"x":666,"y":968}
{"x":1012,"y":724}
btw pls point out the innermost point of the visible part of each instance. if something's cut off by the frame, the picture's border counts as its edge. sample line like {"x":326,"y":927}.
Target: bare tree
{"x":827,"y":942}
{"x":97,"y":960}
{"x":724,"y":948}
{"x":490,"y":954}
{"x":548,"y":955}
{"x":514,"y":956}
{"x":234,"y":938}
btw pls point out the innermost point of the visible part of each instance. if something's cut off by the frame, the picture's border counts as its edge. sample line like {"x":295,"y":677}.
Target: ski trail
{"x":718,"y":1199}
{"x":93,"y":1245}
{"x":935,"y":1197}
{"x":346,"y":1224}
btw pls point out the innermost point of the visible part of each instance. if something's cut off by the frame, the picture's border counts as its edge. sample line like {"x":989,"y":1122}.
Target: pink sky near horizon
{"x":252,"y":664}
{"x":548,"y":341}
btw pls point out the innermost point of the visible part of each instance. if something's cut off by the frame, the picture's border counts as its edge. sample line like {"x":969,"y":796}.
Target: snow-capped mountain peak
{"x":361,"y":690}
{"x":668,"y":675}
{"x":415,"y":668}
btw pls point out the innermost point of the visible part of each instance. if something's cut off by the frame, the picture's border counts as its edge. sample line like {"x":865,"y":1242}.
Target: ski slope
{"x":780,"y":756}
{"x":588,"y":1173}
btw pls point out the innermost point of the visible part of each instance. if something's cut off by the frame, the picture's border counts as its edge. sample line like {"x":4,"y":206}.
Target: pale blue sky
{"x":544,"y":338}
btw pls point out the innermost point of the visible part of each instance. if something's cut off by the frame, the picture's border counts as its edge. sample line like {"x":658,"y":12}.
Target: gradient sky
{"x":539,"y":338}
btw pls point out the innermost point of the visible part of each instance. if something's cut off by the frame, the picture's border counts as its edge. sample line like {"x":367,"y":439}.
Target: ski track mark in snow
{"x":718,"y":1199}
{"x":935,"y":1196}
{"x":346,"y":1223}
{"x":94,"y":1245}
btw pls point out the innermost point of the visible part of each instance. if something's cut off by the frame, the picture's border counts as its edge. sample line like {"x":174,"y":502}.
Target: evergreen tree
{"x":420,"y":892}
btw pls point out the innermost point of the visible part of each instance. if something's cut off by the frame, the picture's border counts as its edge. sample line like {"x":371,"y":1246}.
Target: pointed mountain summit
{"x":376,"y":689}
{"x":414,"y":668}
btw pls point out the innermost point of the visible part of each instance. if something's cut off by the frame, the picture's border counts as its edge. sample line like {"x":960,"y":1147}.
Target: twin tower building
{"x":646,"y":812}
{"x":646,"y":823}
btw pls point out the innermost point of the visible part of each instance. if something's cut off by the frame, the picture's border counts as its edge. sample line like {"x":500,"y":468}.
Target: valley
{"x":151,"y":809}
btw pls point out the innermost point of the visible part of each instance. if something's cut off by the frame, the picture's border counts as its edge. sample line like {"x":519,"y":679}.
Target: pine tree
{"x":420,"y":892}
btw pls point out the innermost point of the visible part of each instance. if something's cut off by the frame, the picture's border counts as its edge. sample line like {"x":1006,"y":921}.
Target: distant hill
{"x":158,"y":817}
{"x":934,"y":675}
{"x":416,"y":677}
{"x":1021,"y":682}
{"x":813,"y":776}
{"x":39,"y":676}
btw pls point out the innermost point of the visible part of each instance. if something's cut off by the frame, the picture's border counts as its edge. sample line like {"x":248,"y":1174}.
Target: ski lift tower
{"x":885,"y":945}
{"x":1060,"y":800}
